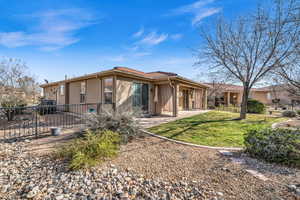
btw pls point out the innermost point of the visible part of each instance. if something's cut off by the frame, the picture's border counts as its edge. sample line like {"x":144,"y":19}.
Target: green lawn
{"x":214,"y":128}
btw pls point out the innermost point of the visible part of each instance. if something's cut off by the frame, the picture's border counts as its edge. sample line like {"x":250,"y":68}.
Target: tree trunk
{"x":243,"y":112}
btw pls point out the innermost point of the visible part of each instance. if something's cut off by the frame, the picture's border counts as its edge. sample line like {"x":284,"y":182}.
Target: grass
{"x":214,"y":128}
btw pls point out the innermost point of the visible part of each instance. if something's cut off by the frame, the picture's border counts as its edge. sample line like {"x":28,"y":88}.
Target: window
{"x":62,"y":90}
{"x":82,"y":92}
{"x":108,"y":90}
{"x":140,"y":97}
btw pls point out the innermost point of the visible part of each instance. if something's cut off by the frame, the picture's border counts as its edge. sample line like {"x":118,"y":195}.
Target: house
{"x":124,"y":89}
{"x":229,"y":94}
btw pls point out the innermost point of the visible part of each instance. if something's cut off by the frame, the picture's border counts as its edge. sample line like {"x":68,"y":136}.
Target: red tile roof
{"x":157,"y":74}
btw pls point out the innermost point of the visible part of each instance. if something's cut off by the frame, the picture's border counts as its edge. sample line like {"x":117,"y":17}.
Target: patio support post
{"x":228,"y":98}
{"x":205,"y":99}
{"x":174,"y":98}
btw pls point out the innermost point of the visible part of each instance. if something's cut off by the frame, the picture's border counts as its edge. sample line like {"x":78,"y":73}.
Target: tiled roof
{"x":157,"y":74}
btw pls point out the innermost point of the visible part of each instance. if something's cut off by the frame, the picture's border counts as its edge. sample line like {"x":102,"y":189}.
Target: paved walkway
{"x":156,"y":120}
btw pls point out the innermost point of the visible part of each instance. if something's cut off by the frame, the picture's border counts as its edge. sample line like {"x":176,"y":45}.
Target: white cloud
{"x":51,"y":30}
{"x":153,"y":38}
{"x":176,"y":36}
{"x":206,"y":13}
{"x":200,"y":10}
{"x":139,"y":33}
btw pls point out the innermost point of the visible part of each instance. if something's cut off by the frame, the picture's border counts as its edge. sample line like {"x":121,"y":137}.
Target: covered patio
{"x":175,"y":98}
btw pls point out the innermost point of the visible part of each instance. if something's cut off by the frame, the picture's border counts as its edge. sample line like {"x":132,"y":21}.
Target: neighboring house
{"x":124,"y":89}
{"x":7,"y":91}
{"x":229,"y":94}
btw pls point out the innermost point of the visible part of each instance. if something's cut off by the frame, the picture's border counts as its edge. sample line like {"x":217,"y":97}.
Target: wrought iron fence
{"x":22,"y":122}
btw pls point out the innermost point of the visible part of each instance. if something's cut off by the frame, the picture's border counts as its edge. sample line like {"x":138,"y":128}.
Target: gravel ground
{"x":148,"y":168}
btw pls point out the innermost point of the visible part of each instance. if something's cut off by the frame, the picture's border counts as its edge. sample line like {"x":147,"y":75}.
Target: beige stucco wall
{"x":74,"y":95}
{"x":260,"y":96}
{"x":93,"y":90}
{"x":124,"y":94}
{"x":165,"y":99}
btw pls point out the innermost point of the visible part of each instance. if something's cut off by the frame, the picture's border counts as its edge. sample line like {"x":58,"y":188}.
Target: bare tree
{"x":14,"y":78}
{"x":251,"y":47}
{"x":289,"y":78}
{"x":217,"y":86}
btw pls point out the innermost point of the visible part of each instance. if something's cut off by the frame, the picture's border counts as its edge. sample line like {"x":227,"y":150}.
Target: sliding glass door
{"x":140,"y":97}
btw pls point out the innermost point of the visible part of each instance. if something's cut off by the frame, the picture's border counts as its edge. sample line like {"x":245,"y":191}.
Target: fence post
{"x":36,"y":122}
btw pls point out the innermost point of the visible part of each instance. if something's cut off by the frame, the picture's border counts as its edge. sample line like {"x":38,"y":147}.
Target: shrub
{"x":274,"y":145}
{"x":254,"y":106}
{"x":288,"y":113}
{"x":123,"y":123}
{"x":298,"y":112}
{"x":91,"y":149}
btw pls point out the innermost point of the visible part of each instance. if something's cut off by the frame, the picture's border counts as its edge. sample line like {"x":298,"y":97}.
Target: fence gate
{"x":35,"y":121}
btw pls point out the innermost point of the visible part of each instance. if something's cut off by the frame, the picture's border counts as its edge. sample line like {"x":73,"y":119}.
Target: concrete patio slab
{"x":157,"y":120}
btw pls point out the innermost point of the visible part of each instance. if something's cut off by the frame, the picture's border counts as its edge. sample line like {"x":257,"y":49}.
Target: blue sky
{"x":75,"y":37}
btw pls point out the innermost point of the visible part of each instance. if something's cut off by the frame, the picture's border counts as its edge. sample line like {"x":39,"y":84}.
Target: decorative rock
{"x":33,"y":192}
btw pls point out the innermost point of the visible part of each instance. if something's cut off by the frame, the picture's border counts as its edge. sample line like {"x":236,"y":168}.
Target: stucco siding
{"x":198,"y":98}
{"x":260,"y":96}
{"x":165,"y":98}
{"x":93,"y":92}
{"x":124,"y":94}
{"x":74,"y":96}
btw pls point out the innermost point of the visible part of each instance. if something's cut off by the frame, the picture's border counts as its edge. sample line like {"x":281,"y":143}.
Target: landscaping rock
{"x":147,"y":169}
{"x":45,"y":178}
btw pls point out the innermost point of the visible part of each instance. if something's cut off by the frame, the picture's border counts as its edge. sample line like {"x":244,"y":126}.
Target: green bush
{"x":298,"y":112}
{"x":254,"y":106}
{"x":274,"y":145}
{"x":91,"y":149}
{"x":123,"y":123}
{"x":288,"y":113}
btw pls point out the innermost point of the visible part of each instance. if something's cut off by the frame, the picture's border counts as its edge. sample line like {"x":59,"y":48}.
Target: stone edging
{"x":192,"y":145}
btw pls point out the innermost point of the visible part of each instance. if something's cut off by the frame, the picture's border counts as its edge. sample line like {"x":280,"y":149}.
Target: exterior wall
{"x":74,"y":94}
{"x":260,"y":96}
{"x":93,"y":91}
{"x":284,"y":96}
{"x":196,"y":101}
{"x":198,"y":98}
{"x":165,"y":103}
{"x":124,"y":94}
{"x":50,"y":92}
